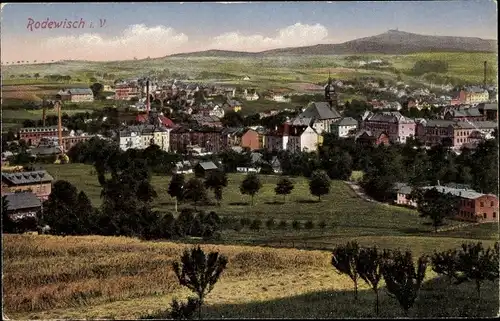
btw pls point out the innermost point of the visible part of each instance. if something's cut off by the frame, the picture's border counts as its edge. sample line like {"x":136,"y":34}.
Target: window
{"x":494,"y":214}
{"x":482,"y":204}
{"x":484,"y":215}
{"x":492,"y":204}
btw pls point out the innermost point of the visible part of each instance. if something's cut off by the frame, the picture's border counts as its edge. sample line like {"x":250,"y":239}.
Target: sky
{"x":121,"y":31}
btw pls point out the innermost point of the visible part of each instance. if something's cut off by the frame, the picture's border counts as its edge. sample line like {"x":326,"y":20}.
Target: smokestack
{"x":43,"y":113}
{"x":484,"y":80}
{"x":147,"y":97}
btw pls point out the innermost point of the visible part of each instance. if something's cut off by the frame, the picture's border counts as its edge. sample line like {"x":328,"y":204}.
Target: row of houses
{"x":41,"y":137}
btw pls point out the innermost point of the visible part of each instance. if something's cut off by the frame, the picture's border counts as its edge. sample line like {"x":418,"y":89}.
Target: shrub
{"x":237,"y":226}
{"x":255,"y":224}
{"x":183,"y":311}
{"x":245,"y":222}
{"x":296,"y":225}
{"x":309,"y":225}
{"x":270,"y":223}
{"x":282,"y":225}
{"x":322,"y":225}
{"x":402,"y":278}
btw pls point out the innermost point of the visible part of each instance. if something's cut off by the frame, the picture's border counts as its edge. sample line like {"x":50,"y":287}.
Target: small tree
{"x":369,"y":268}
{"x":284,"y":187}
{"x":194,"y":191}
{"x":216,"y":180}
{"x":175,"y":188}
{"x":322,"y":225}
{"x":245,"y":221}
{"x":183,"y":311}
{"x":402,"y":279}
{"x":309,"y":225}
{"x":445,"y":263}
{"x":255,"y":224}
{"x":250,"y":185}
{"x":270,"y":223}
{"x":478,"y":264}
{"x":319,"y":184}
{"x":435,"y":205}
{"x":344,"y":260}
{"x":199,"y":272}
{"x":296,"y":225}
{"x":282,"y":225}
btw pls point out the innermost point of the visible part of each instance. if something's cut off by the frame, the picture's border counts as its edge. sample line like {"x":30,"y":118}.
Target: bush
{"x":270,"y":223}
{"x":296,"y":225}
{"x":183,"y":311}
{"x":309,"y":225}
{"x":237,"y":226}
{"x":282,"y":225}
{"x":322,"y":224}
{"x":245,"y":222}
{"x":255,"y":224}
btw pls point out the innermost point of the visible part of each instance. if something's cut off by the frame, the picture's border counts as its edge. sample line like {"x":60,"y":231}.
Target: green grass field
{"x":344,"y":212}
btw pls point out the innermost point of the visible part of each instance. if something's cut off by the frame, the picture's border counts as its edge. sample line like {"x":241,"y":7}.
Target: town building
{"x":33,"y":135}
{"x":38,"y":182}
{"x":251,"y":139}
{"x":490,"y":111}
{"x":473,"y":95}
{"x":143,"y":136}
{"x":76,"y":95}
{"x":126,"y":92}
{"x":22,"y":205}
{"x":473,"y":206}
{"x":318,"y":115}
{"x":398,"y":127}
{"x":203,"y":168}
{"x":464,"y":114}
{"x":212,"y":140}
{"x":344,"y":127}
{"x":367,"y":138}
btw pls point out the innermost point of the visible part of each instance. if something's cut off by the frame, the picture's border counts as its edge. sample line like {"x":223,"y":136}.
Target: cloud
{"x":295,"y":35}
{"x":136,"y":41}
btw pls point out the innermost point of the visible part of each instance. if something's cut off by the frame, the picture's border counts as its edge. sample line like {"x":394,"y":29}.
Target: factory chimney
{"x":147,"y":97}
{"x":484,"y":80}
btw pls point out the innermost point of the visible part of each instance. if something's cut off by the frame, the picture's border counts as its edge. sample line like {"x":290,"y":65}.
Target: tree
{"x":402,"y":278}
{"x":445,"y":263}
{"x":270,"y":223}
{"x":8,"y":223}
{"x":369,"y":268}
{"x":284,"y":187}
{"x":344,"y":260}
{"x":435,"y":205}
{"x":256,"y":223}
{"x":194,"y":191}
{"x":183,"y":311}
{"x":250,"y":185}
{"x":477,"y":263}
{"x":199,"y":272}
{"x":59,"y":211}
{"x":319,"y":184}
{"x":97,"y":89}
{"x":216,"y":180}
{"x":175,"y":188}
{"x":36,"y":75}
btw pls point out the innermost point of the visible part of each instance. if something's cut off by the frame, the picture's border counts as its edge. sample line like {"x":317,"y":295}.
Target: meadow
{"x":345,"y":214}
{"x":93,"y":277}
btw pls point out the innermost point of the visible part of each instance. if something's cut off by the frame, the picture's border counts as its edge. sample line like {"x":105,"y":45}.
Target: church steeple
{"x":330,"y":92}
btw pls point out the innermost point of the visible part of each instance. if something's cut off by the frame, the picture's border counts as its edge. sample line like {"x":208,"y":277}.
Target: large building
{"x":395,"y":125}
{"x":126,"y":92}
{"x":319,"y":115}
{"x":473,"y":206}
{"x":21,"y":205}
{"x":453,"y":133}
{"x":344,"y":127}
{"x":143,"y":136}
{"x":33,"y":135}
{"x":38,"y":182}
{"x":473,"y":95}
{"x":76,"y":95}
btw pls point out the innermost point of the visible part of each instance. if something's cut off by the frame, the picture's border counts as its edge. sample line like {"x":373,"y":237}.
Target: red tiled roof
{"x":143,"y":118}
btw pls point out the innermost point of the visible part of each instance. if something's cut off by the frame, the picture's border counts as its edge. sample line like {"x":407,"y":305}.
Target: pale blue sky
{"x":237,"y":26}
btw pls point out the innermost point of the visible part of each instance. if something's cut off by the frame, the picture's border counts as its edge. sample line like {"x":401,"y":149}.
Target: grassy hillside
{"x":345,"y":214}
{"x":265,"y":72}
{"x":49,"y":277}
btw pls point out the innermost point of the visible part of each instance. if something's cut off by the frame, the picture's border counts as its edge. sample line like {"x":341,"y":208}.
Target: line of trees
{"x":404,"y":276}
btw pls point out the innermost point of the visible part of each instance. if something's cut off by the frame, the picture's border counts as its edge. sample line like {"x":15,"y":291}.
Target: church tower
{"x":330,"y":93}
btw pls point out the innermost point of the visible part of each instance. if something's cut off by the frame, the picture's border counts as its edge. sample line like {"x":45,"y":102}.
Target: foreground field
{"x":48,"y":277}
{"x":345,"y":214}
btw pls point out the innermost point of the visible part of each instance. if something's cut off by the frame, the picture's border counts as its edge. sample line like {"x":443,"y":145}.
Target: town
{"x":284,"y":179}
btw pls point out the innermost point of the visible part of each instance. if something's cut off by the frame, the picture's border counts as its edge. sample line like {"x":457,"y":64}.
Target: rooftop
{"x":18,"y":178}
{"x":17,"y":201}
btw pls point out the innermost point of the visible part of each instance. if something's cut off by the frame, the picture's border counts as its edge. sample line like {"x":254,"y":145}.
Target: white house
{"x":130,"y":139}
{"x":344,"y":126}
{"x":309,"y":140}
{"x":217,"y":111}
{"x":252,"y":96}
{"x":280,"y":98}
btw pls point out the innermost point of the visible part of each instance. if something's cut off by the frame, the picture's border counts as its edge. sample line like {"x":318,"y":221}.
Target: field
{"x":344,"y":212}
{"x":49,"y":277}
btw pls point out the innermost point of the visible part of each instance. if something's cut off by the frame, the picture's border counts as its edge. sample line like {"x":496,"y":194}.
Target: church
{"x":320,"y":115}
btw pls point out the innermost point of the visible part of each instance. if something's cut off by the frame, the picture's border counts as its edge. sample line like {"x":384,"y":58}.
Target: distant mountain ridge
{"x":390,"y":42}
